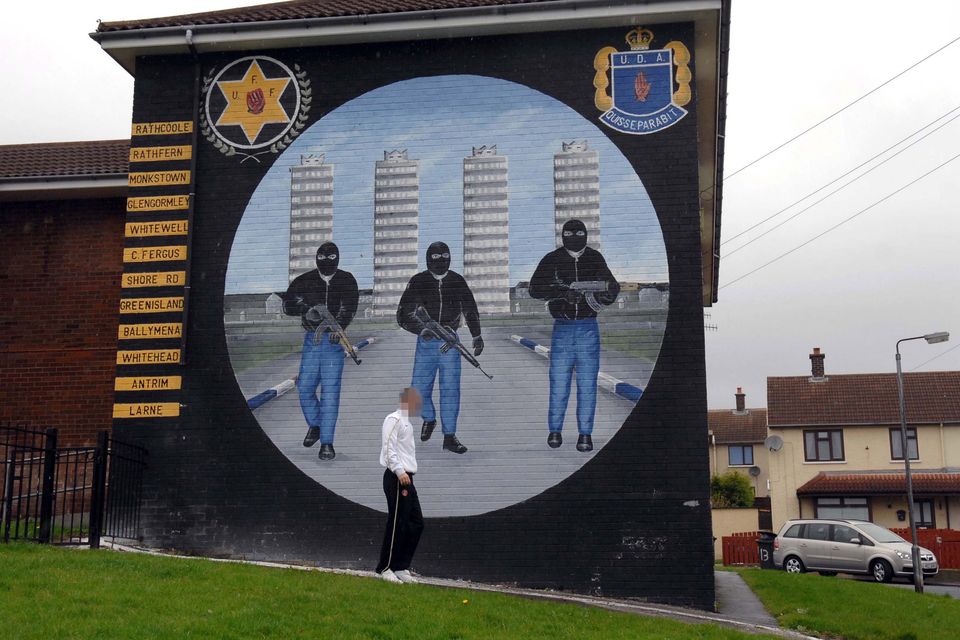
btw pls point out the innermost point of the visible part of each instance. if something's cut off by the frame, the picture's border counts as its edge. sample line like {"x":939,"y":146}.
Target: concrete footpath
{"x":739,"y":608}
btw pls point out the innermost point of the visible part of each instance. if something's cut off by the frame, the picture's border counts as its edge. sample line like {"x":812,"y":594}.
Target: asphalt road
{"x":503,"y":422}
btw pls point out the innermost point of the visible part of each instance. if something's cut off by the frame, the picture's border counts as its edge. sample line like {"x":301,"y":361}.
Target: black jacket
{"x":559,"y":267}
{"x":446,"y":301}
{"x":309,"y":289}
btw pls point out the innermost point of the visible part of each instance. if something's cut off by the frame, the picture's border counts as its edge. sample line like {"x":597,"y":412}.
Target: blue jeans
{"x":575,"y":344}
{"x":427,"y":361}
{"x":320,"y":364}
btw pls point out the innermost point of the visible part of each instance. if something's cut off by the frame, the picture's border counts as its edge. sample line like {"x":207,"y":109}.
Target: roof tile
{"x":866,"y":483}
{"x":729,"y":427}
{"x":61,"y":159}
{"x":863,"y":399}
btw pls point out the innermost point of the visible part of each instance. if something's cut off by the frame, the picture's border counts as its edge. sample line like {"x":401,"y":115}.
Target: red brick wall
{"x":60,"y":286}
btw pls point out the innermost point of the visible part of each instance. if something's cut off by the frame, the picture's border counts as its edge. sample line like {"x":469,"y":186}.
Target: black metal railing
{"x":68,"y":495}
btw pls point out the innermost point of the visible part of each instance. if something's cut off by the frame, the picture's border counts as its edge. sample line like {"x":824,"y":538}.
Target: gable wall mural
{"x":508,"y":224}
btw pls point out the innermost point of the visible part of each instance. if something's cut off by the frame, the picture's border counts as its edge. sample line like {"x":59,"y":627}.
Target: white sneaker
{"x":390,"y":576}
{"x":406,"y":576}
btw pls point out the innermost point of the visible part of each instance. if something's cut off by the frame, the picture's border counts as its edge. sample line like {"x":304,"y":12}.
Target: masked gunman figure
{"x":446,"y":298}
{"x":321,"y":362}
{"x":576,"y":283}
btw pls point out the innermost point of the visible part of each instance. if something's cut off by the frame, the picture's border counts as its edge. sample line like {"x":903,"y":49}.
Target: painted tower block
{"x":576,"y":189}
{"x":486,"y":225}
{"x":311,"y":211}
{"x":396,"y":222}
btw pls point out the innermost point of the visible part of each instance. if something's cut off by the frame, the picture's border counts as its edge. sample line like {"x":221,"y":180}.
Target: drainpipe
{"x":195,"y":106}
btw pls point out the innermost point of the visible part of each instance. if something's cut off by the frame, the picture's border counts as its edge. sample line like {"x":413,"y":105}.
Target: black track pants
{"x":404,"y":524}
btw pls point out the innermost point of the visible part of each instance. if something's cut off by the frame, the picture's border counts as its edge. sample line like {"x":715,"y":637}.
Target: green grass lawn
{"x":836,"y":608}
{"x":62,"y":593}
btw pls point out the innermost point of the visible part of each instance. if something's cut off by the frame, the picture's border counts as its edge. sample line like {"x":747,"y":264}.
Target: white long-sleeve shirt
{"x":397,"y":444}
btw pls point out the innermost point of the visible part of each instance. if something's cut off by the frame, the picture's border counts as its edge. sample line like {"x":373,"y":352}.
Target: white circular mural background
{"x":555,"y":160}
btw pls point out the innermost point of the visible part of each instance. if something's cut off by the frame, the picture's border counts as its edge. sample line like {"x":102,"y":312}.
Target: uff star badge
{"x":254,"y":105}
{"x":642,"y":96}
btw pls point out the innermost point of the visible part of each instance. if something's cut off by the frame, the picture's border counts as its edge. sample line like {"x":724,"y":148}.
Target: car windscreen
{"x":878,"y":533}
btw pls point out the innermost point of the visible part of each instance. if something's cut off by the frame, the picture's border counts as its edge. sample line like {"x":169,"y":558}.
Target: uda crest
{"x":253,"y":106}
{"x":643,"y":98}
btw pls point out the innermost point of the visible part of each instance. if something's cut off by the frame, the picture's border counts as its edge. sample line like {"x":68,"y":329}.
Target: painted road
{"x":503,"y":422}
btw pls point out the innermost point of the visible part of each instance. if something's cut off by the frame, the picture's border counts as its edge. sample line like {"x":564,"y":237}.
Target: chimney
{"x":741,"y":401}
{"x":816,"y":364}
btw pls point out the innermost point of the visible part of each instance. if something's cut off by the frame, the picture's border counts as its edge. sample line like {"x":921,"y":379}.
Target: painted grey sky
{"x":438,"y":120}
{"x":890,"y":273}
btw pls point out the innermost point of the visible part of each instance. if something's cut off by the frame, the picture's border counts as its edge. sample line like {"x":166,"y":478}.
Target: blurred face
{"x":411,"y":402}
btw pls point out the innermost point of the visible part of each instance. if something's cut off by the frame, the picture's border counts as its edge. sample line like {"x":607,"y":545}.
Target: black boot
{"x":427,"y":430}
{"x":313,"y":434}
{"x":584,"y":443}
{"x":327,"y":452}
{"x":451,"y":443}
{"x":554,"y":440}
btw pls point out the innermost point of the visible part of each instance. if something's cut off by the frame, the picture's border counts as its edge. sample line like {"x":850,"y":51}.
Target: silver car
{"x":847,"y":546}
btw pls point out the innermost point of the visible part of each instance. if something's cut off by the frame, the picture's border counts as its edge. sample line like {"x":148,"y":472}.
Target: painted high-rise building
{"x":486,"y":225}
{"x":576,"y":189}
{"x":396,"y":213}
{"x":311,"y":211}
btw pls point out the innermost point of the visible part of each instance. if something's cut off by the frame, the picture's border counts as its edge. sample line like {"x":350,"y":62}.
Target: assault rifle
{"x":449,"y":337}
{"x":321,"y":317}
{"x":588,"y":288}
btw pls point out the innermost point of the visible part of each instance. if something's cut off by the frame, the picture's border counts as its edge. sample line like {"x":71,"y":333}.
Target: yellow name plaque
{"x":161,"y":128}
{"x":158,"y":203}
{"x":148,"y":383}
{"x":154,"y":279}
{"x":157,"y":178}
{"x":149,"y":356}
{"x":155,"y":254}
{"x":160,"y":154}
{"x":160,"y":228}
{"x":151,"y":305}
{"x":147,"y":410}
{"x":150,"y":331}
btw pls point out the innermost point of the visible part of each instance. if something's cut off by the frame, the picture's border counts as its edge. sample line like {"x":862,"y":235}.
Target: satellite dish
{"x":754,"y":471}
{"x":774,"y":443}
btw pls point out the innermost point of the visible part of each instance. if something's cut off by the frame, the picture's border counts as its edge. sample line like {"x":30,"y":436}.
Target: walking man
{"x":446,"y":298}
{"x":575,"y":281}
{"x":321,"y":362}
{"x":404,"y":518}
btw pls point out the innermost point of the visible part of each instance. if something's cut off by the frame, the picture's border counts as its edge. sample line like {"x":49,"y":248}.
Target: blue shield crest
{"x":642,"y":92}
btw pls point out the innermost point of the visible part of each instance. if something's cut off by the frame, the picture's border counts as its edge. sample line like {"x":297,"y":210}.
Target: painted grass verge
{"x":835,"y":608}
{"x":62,"y":593}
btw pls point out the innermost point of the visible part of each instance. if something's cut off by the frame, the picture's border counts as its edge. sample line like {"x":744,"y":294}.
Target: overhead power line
{"x":939,"y":355}
{"x":840,"y":188}
{"x":841,"y":223}
{"x":841,"y":109}
{"x":844,"y":175}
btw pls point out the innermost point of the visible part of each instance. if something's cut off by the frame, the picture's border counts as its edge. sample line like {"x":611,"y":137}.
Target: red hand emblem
{"x":641,"y":88}
{"x":255,"y":101}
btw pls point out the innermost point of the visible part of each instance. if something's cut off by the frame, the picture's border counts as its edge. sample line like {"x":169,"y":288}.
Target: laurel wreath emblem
{"x":299,"y":120}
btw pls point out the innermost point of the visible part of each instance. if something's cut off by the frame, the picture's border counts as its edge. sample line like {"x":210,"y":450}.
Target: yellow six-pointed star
{"x":253,"y":101}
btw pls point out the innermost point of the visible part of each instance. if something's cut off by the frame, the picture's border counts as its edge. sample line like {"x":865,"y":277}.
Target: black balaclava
{"x":328,"y":257}
{"x":438,"y":258}
{"x":574,"y":236}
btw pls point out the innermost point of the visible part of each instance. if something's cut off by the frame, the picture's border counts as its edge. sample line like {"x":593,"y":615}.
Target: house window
{"x":843,"y":508}
{"x":923,"y":514}
{"x":896,"y":444}
{"x":740,"y":455}
{"x":823,"y":446}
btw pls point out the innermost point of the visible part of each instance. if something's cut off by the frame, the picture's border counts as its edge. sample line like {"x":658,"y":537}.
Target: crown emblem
{"x":639,"y":39}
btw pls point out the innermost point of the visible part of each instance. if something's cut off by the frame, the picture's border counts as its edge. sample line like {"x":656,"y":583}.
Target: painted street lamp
{"x":931,"y":338}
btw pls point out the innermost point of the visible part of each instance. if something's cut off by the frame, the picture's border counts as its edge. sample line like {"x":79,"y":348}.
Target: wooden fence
{"x":945,"y":544}
{"x":741,"y":548}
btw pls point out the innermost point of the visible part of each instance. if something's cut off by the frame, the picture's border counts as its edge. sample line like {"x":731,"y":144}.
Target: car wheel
{"x":793,"y":564}
{"x":827,"y":573}
{"x":881,"y":571}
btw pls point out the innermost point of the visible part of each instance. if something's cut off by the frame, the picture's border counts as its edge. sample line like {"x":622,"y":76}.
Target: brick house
{"x":841,"y":453}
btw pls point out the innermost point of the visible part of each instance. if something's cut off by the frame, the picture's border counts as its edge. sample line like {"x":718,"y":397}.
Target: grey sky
{"x":890,"y":273}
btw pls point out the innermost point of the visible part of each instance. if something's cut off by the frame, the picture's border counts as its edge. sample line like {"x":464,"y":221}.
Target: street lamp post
{"x":931,"y":338}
